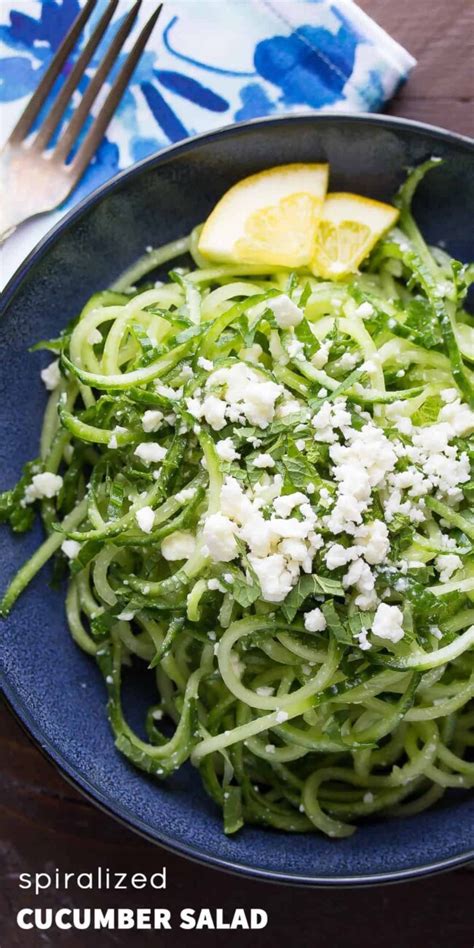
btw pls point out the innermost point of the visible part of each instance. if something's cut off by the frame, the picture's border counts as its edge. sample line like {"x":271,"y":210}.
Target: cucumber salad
{"x":256,"y":474}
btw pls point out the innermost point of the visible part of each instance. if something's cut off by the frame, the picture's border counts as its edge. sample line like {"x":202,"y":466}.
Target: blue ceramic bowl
{"x":56,"y":690}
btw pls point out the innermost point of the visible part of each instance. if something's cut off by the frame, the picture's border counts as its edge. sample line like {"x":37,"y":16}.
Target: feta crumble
{"x":179,"y":545}
{"x":151,"y":420}
{"x":314,"y":621}
{"x":447,"y":564}
{"x":71,"y":548}
{"x":226,"y":450}
{"x":388,"y":623}
{"x":219,"y":538}
{"x":145,"y":518}
{"x":263,"y":460}
{"x":51,"y":376}
{"x":150,"y":452}
{"x":43,"y":485}
{"x":286,"y":312}
{"x":205,"y":364}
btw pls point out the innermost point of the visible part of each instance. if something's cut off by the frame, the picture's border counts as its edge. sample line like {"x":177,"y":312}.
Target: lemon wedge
{"x":348,"y":228}
{"x":268,"y":218}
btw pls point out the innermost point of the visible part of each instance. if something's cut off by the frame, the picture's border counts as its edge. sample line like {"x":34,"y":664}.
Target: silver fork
{"x":34,"y":180}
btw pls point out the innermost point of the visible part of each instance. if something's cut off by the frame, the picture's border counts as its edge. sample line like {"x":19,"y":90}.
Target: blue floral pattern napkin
{"x":208,"y":63}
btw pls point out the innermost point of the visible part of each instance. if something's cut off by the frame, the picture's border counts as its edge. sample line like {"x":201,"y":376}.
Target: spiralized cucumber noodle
{"x":258,"y":485}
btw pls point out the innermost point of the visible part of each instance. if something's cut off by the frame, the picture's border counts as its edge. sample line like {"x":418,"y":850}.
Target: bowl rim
{"x":17,"y":706}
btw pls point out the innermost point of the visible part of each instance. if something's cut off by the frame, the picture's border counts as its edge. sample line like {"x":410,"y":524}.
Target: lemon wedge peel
{"x":348,"y":228}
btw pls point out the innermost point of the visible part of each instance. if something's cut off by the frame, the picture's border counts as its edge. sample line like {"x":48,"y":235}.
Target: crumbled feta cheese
{"x":194,"y":407}
{"x":186,"y":494}
{"x":366,"y":601}
{"x":226,"y":450}
{"x":283,"y":506}
{"x":331,"y":416}
{"x":374,"y":539}
{"x":388,"y":623}
{"x":288,"y":406}
{"x":270,"y":748}
{"x":281,"y":717}
{"x":295,"y":349}
{"x":263,"y":460}
{"x":449,"y":394}
{"x":126,"y":616}
{"x":205,"y":364}
{"x":338,"y":555}
{"x":363,"y":641}
{"x":71,"y":548}
{"x":364,"y":311}
{"x":215,"y":586}
{"x":150,"y":452}
{"x":251,"y":353}
{"x":257,"y":534}
{"x":234,"y":502}
{"x":214,"y":410}
{"x":359,"y":575}
{"x":259,"y":402}
{"x":347,"y":361}
{"x":320,"y":358}
{"x":43,"y":485}
{"x":246,"y":393}
{"x":277,"y":352}
{"x":219,"y":538}
{"x":286,"y":313}
{"x":167,"y":392}
{"x":113,"y":442}
{"x":151,"y":420}
{"x":294,"y":549}
{"x":291,"y":528}
{"x":268,"y":489}
{"x":358,"y":466}
{"x":179,"y":545}
{"x":432,"y":438}
{"x":447,"y":564}
{"x":264,"y":691}
{"x":314,"y":621}
{"x":51,"y":375}
{"x":145,"y":518}
{"x":458,"y":416}
{"x":275,"y":579}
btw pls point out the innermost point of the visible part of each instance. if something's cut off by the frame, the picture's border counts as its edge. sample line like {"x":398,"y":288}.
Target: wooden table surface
{"x":44,"y":822}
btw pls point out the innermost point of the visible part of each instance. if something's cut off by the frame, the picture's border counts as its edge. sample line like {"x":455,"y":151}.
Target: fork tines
{"x":81,"y":113}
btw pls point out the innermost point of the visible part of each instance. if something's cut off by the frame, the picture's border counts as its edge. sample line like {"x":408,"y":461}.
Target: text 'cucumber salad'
{"x":258,"y":479}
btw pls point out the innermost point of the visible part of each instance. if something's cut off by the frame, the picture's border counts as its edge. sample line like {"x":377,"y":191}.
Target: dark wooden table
{"x":45,"y":823}
{"x":440,"y":34}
